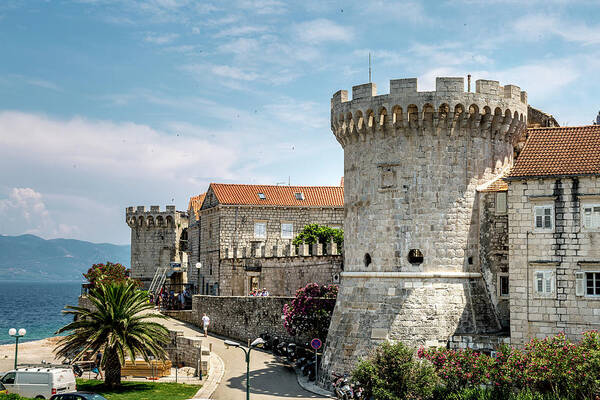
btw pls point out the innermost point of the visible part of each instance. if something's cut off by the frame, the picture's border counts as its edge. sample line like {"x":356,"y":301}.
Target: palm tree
{"x":116,"y":323}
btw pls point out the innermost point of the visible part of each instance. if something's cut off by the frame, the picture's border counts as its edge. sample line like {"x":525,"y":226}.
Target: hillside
{"x":28,"y":257}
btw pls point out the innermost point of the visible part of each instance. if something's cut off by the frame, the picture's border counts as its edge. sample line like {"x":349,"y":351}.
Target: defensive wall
{"x":282,"y":270}
{"x":156,"y":240}
{"x":237,"y":317}
{"x":412,"y":249}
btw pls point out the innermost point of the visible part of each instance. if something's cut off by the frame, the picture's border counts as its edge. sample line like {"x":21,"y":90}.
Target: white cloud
{"x":322,"y":30}
{"x":161,"y":38}
{"x":240,"y":47}
{"x":539,"y":26}
{"x":263,"y":6}
{"x":240,"y":31}
{"x":227,"y":71}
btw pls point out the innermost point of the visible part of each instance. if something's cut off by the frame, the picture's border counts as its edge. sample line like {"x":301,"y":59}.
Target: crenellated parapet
{"x":494,"y":112}
{"x":141,"y":218}
{"x":288,"y":250}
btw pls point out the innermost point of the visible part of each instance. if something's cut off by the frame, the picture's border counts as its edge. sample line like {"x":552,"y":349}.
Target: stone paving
{"x":269,"y":378}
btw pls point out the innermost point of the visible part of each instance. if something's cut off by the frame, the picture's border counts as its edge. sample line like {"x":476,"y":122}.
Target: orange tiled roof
{"x":196,"y":203}
{"x":495,"y":185}
{"x":569,"y":150}
{"x":314,"y":196}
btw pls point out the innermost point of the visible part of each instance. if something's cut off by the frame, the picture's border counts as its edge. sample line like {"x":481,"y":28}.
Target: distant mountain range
{"x":28,"y":257}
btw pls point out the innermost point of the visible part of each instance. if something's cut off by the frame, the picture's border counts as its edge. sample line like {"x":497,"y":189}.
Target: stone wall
{"x":412,"y":164}
{"x":563,"y":251}
{"x":493,"y":251}
{"x":227,"y":227}
{"x":240,"y":318}
{"x":281,"y":276}
{"x":188,"y":352}
{"x":155,"y":237}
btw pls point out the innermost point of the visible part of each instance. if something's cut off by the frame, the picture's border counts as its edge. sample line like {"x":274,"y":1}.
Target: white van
{"x":39,"y":383}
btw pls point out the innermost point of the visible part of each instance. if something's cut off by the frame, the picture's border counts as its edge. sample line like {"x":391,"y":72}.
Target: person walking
{"x":205,"y":323}
{"x":97,"y":365}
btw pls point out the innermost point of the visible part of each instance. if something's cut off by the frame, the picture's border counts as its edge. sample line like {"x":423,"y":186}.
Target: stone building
{"x":554,"y":237}
{"x":158,"y":239}
{"x":421,"y":262}
{"x":238,"y":223}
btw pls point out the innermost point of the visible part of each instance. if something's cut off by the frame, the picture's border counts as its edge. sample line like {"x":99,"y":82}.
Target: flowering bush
{"x":554,"y":366}
{"x":107,"y":273}
{"x":392,"y":372}
{"x":310,"y":311}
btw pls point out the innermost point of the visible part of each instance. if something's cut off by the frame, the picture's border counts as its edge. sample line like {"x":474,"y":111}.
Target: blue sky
{"x":111,"y":103}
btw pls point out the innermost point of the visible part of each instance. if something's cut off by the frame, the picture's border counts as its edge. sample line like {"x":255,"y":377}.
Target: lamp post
{"x":256,"y":343}
{"x":13,"y":332}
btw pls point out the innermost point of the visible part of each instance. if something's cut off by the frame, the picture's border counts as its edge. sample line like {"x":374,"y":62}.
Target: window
{"x":262,"y":196}
{"x":503,"y":285}
{"x":592,"y":283}
{"x":299,"y":196}
{"x":591,"y":217}
{"x":544,"y":218}
{"x":544,"y":282}
{"x":287,"y":231}
{"x":9,"y":379}
{"x":500,"y":202}
{"x":260,"y":230}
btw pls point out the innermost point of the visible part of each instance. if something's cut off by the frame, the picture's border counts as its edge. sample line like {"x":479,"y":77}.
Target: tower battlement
{"x":492,"y":111}
{"x":140,"y":216}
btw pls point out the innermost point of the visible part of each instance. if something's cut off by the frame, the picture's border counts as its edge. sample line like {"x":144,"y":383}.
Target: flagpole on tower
{"x":369,"y":67}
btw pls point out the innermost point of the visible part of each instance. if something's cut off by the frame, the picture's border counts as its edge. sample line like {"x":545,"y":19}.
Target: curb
{"x":217,"y":366}
{"x":311,"y":387}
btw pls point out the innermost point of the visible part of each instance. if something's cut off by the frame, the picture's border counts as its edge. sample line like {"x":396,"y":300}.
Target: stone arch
{"x":169,"y":221}
{"x":413,"y":114}
{"x":160,"y":221}
{"x":516,"y":116}
{"x":370,"y":118}
{"x":382,"y":117}
{"x":359,"y":121}
{"x":443,"y":111}
{"x":428,"y":114}
{"x":150,"y":221}
{"x":140,"y":221}
{"x":397,"y":115}
{"x":459,"y":109}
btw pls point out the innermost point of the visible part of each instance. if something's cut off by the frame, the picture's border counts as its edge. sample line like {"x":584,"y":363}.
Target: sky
{"x":106,"y":104}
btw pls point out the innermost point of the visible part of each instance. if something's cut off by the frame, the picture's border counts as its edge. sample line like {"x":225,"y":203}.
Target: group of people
{"x":169,"y":300}
{"x":259,"y":292}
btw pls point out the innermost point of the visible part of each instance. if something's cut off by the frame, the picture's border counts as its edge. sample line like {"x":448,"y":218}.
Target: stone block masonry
{"x":412,"y":251}
{"x":240,"y":318}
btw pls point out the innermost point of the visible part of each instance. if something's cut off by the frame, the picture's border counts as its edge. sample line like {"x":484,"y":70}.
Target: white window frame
{"x":542,"y":208}
{"x":501,"y":205}
{"x":500,"y":294}
{"x":547,"y":280}
{"x":595,"y":282}
{"x":590,"y":222}
{"x":287,"y":234}
{"x":259,"y":235}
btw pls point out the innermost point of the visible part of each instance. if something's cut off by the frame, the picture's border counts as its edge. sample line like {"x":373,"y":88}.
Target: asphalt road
{"x":269,"y":379}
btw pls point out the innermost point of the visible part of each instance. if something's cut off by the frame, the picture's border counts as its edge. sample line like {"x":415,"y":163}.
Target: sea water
{"x":35,"y":306}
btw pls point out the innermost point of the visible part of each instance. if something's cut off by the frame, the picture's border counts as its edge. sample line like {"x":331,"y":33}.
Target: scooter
{"x":341,"y":386}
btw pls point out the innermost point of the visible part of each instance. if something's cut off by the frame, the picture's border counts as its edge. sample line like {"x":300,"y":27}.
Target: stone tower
{"x":412,"y":162}
{"x":156,"y":240}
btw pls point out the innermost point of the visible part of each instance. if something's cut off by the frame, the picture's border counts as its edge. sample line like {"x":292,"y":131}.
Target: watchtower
{"x":412,"y":162}
{"x":157,"y":239}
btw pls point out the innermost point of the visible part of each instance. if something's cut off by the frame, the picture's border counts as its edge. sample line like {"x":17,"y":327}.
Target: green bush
{"x":393,"y":373}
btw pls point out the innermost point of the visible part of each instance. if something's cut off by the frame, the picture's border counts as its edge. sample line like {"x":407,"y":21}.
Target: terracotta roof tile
{"x":569,"y":150}
{"x":195,"y":204}
{"x":313,"y":196}
{"x":495,"y":185}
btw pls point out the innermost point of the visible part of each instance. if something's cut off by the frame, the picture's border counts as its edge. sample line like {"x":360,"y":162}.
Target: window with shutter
{"x":287,"y":231}
{"x":592,"y":280}
{"x":591,"y":217}
{"x":260,"y":230}
{"x":501,"y":203}
{"x":544,"y":217}
{"x":579,"y":284}
{"x":544,"y":282}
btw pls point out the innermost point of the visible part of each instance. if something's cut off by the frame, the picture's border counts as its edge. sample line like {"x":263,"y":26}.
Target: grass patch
{"x":140,"y":390}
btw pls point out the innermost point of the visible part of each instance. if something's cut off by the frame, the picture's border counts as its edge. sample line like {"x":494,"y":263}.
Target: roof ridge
{"x":279,"y":186}
{"x":539,"y":128}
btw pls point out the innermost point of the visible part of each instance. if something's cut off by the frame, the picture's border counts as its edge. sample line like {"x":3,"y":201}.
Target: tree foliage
{"x":309,"y":314}
{"x":119,"y":324}
{"x":107,"y":273}
{"x":315,"y":233}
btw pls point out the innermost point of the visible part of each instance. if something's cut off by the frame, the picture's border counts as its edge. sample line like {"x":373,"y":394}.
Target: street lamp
{"x":258,"y":342}
{"x":13,"y":332}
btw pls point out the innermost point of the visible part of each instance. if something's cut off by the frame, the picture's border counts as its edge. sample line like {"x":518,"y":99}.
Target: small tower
{"x":412,"y":163}
{"x":156,"y":240}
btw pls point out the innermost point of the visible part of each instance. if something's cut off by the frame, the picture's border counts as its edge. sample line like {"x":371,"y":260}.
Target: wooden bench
{"x":141,"y":368}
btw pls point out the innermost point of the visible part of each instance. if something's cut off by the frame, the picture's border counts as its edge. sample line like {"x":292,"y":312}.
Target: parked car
{"x":78,"y":396}
{"x":39,"y":383}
